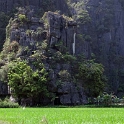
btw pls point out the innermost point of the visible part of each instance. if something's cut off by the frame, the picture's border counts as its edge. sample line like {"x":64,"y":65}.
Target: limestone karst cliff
{"x":105,"y":29}
{"x":93,"y":28}
{"x":46,"y":40}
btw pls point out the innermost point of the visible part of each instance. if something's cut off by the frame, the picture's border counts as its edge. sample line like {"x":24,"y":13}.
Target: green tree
{"x":25,"y":82}
{"x":92,"y":77}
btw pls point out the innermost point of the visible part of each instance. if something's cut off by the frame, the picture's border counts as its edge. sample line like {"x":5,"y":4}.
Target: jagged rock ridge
{"x":32,"y":34}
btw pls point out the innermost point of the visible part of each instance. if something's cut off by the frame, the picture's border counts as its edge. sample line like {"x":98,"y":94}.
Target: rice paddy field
{"x":61,"y":115}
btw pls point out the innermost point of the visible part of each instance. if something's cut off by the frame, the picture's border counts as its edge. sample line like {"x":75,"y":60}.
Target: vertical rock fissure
{"x":66,"y":37}
{"x":51,"y":41}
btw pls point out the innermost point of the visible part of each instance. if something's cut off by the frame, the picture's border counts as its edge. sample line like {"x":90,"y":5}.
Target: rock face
{"x":100,"y":34}
{"x":106,"y":29}
{"x":107,"y":39}
{"x":58,"y":34}
{"x":72,"y":95}
{"x":61,"y":30}
{"x":3,"y":89}
{"x":8,"y":5}
{"x":56,"y":29}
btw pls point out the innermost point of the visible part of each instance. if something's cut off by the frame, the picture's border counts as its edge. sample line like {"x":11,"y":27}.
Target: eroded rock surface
{"x":57,"y":32}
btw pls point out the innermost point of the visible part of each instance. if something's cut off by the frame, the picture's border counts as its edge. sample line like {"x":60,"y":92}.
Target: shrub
{"x":6,"y":103}
{"x":39,"y":30}
{"x":13,"y":47}
{"x":64,"y":75}
{"x":107,"y":99}
{"x":44,"y":44}
{"x":58,"y":56}
{"x":22,"y":18}
{"x":90,"y":74}
{"x":28,"y":32}
{"x":69,"y":58}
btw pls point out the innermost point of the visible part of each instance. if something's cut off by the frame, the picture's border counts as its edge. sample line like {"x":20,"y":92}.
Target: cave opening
{"x":57,"y":99}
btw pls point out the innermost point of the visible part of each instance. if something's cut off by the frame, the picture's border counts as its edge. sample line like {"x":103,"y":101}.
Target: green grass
{"x":62,"y":115}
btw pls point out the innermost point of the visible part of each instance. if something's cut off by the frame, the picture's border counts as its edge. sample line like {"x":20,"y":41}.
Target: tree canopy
{"x":25,"y":82}
{"x":92,"y":77}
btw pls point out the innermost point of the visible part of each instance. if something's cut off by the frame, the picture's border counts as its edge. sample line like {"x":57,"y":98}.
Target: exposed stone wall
{"x":106,"y":30}
{"x":3,"y":89}
{"x":8,"y":5}
{"x":54,"y":29}
{"x":107,"y":24}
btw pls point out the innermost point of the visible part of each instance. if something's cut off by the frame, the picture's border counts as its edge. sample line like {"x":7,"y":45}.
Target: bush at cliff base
{"x":6,"y":103}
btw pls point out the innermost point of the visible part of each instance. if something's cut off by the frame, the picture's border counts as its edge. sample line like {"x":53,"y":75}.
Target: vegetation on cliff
{"x":26,"y":73}
{"x":92,"y":77}
{"x":37,"y":59}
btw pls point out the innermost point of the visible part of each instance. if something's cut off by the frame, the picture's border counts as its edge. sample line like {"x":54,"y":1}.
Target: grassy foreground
{"x":62,"y":115}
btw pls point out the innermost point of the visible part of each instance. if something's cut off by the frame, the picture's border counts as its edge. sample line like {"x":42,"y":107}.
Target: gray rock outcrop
{"x":100,"y":34}
{"x":3,"y":89}
{"x":55,"y":30}
{"x":105,"y":28}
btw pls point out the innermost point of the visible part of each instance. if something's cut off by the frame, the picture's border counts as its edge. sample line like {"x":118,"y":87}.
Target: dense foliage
{"x":91,"y":76}
{"x":106,"y":99}
{"x":6,"y":103}
{"x":25,"y":82}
